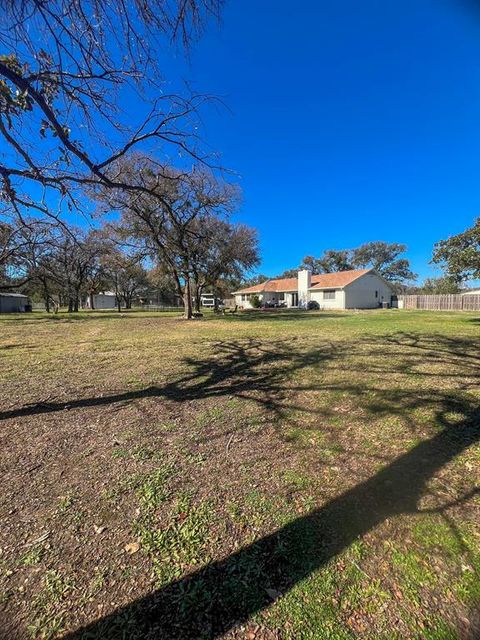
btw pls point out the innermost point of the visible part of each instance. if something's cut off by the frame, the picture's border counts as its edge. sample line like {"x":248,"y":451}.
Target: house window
{"x":281,"y":296}
{"x":376,"y":294}
{"x":244,"y":297}
{"x":329,"y":295}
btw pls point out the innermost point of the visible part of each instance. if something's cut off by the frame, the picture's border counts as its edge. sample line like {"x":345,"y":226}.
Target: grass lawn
{"x":280,"y":475}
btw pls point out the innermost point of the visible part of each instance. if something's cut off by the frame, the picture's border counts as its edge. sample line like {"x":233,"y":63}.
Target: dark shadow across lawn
{"x":243,"y":316}
{"x":83,"y":316}
{"x":241,"y":368}
{"x":227,"y":592}
{"x":283,"y":314}
{"x":211,"y":601}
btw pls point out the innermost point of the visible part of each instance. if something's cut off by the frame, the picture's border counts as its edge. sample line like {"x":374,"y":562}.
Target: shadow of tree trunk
{"x":221,"y":595}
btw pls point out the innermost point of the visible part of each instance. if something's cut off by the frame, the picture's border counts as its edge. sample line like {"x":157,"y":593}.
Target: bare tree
{"x":68,"y":264}
{"x":22,"y":242}
{"x":66,"y":84}
{"x":161,"y":285}
{"x":220,"y":250}
{"x":161,"y":214}
{"x":125,"y":273}
{"x":12,"y":246}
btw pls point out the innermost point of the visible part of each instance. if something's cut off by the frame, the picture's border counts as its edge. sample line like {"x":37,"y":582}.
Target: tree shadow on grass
{"x":211,"y":601}
{"x":244,"y":316}
{"x":216,"y":598}
{"x":63,"y":317}
{"x":241,"y":368}
{"x":283,"y":315}
{"x":264,"y":372}
{"x":227,"y":592}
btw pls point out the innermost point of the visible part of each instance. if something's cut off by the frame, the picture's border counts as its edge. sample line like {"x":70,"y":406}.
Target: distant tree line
{"x":81,"y":124}
{"x":184,"y":236}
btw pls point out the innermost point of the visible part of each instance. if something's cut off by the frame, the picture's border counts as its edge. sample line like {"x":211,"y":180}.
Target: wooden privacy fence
{"x":444,"y":302}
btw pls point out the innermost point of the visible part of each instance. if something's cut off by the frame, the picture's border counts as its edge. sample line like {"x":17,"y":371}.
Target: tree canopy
{"x":386,"y":258}
{"x":459,"y":255}
{"x":70,"y":72}
{"x":330,"y":260}
{"x":445,"y":284}
{"x":180,"y":218}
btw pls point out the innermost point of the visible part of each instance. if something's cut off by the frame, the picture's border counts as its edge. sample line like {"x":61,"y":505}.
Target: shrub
{"x":255,"y":302}
{"x":313,"y":305}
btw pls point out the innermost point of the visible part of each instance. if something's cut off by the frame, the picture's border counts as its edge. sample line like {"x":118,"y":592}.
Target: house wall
{"x":267,"y":296}
{"x":245,"y":304}
{"x":360,"y":294}
{"x":337,"y":303}
{"x":12,"y":304}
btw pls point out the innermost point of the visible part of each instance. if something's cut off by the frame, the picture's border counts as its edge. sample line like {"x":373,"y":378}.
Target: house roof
{"x":337,"y":279}
{"x":322,"y":281}
{"x":280,"y":284}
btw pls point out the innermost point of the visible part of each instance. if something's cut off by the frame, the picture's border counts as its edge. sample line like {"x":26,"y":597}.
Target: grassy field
{"x":264,"y":476}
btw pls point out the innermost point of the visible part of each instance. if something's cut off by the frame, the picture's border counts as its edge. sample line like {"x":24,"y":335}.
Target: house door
{"x":294,"y":299}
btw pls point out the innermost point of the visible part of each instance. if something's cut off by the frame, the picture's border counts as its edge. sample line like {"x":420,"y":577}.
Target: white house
{"x":355,"y":289}
{"x":13,"y":303}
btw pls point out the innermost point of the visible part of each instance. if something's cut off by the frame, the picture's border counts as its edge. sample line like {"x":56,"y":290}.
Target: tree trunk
{"x":197,"y":300}
{"x":187,"y":300}
{"x":70,"y":305}
{"x":75,"y":305}
{"x":46,"y":295}
{"x":92,"y":305}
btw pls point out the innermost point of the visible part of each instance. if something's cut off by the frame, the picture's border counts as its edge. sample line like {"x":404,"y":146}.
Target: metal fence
{"x":444,"y":302}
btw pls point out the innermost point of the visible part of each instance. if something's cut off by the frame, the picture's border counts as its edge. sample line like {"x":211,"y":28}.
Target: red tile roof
{"x":325,"y":280}
{"x":337,"y":279}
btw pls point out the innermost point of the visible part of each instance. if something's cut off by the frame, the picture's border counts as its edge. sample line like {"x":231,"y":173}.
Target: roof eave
{"x":320,"y":288}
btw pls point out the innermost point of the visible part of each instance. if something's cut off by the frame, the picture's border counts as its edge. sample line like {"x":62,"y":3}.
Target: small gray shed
{"x":102,"y":300}
{"x":13,"y":302}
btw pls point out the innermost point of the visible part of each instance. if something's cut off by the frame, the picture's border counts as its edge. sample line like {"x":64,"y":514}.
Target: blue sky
{"x":347,"y":121}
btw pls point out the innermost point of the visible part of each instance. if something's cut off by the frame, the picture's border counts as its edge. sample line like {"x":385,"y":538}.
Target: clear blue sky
{"x":349,"y":121}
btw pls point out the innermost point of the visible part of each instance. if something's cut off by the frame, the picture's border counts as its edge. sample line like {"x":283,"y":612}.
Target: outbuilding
{"x":102,"y":300}
{"x":13,"y":302}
